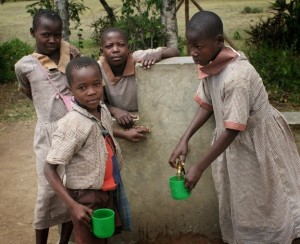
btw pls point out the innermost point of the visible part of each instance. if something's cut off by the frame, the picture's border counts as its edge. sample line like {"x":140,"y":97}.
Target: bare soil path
{"x":18,"y":184}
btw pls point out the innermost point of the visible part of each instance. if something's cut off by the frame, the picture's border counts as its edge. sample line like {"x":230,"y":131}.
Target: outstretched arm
{"x":152,"y":58}
{"x":201,"y":116}
{"x":169,"y":52}
{"x":78,"y":211}
{"x":134,"y":134}
{"x":194,"y":173}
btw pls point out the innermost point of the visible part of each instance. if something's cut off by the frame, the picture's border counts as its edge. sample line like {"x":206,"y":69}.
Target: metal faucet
{"x":180,"y":168}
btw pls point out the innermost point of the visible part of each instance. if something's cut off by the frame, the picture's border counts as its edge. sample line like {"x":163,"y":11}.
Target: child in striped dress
{"x":254,"y":158}
{"x":41,"y":76}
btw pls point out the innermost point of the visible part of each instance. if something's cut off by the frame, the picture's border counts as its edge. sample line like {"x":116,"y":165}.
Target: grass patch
{"x":14,"y":106}
{"x":90,"y":48}
{"x":249,"y":10}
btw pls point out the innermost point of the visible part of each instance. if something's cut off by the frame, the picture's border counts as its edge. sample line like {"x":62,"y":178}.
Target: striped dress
{"x":49,"y":108}
{"x":257,"y":178}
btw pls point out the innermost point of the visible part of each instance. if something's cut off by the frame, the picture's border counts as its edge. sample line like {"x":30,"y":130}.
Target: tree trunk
{"x":109,"y":11}
{"x":63,"y":7}
{"x":168,"y":18}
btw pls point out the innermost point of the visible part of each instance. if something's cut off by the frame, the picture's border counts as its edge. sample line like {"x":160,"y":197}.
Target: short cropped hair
{"x":47,"y":14}
{"x":207,"y":22}
{"x":113,"y":29}
{"x":78,"y":63}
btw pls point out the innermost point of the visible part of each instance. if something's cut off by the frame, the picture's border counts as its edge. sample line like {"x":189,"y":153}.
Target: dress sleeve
{"x":66,"y":142}
{"x":202,"y":96}
{"x":236,"y":104}
{"x":24,"y":84}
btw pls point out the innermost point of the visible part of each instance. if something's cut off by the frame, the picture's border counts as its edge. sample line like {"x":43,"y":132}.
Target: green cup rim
{"x":175,"y":178}
{"x":103,"y":210}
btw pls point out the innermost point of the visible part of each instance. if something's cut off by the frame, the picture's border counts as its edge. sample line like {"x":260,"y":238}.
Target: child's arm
{"x":78,"y":211}
{"x":24,"y":84}
{"x":134,"y":134}
{"x":123,"y":117}
{"x":169,"y":52}
{"x":194,"y":173}
{"x":201,"y":116}
{"x":151,"y":58}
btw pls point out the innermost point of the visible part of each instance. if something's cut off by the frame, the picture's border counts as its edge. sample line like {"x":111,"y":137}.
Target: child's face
{"x":202,"y":49}
{"x":87,"y":87}
{"x":115,"y":49}
{"x":47,"y":36}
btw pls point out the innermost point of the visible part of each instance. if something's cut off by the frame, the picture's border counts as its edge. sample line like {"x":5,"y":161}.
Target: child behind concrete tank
{"x":118,"y":69}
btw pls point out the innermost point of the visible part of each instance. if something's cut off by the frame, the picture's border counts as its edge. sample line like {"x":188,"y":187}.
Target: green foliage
{"x":282,"y":30}
{"x":10,"y":52}
{"x":249,"y":10}
{"x":42,"y":4}
{"x":140,"y":20}
{"x":182,"y":46}
{"x":99,"y":25}
{"x":274,"y":48}
{"x":237,"y":36}
{"x":279,"y":70}
{"x":75,"y":10}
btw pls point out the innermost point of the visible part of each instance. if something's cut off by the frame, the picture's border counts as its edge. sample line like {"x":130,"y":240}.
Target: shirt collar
{"x":64,"y":58}
{"x":129,"y":69}
{"x":80,"y":109}
{"x":226,"y":56}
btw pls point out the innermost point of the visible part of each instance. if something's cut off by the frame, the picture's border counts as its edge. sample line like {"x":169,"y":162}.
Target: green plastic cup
{"x":103,"y":222}
{"x":178,"y":189}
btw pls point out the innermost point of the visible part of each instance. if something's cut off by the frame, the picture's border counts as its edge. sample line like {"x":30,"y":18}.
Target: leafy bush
{"x":281,"y":30}
{"x":274,"y":48}
{"x":182,"y":46}
{"x":279,"y":70}
{"x":99,"y":25}
{"x":237,"y":36}
{"x":249,"y":10}
{"x":140,"y":20}
{"x":10,"y":52}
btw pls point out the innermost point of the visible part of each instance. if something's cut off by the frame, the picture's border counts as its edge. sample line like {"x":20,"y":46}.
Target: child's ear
{"x":100,"y":51}
{"x":32,"y":32}
{"x":220,"y":40}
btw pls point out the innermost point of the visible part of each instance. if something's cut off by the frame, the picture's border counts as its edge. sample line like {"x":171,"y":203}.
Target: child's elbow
{"x":174,"y":52}
{"x":47,"y":169}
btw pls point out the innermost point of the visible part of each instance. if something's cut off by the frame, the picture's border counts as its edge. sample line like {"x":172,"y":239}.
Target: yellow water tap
{"x":180,"y":168}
